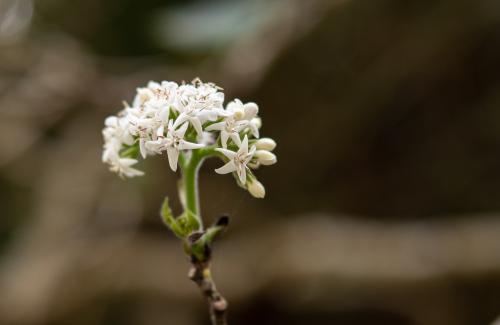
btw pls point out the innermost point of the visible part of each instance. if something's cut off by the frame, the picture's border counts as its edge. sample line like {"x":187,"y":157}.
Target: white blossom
{"x":242,"y":111}
{"x":174,"y":118}
{"x":237,"y":117}
{"x":173,"y":143}
{"x":254,"y":125}
{"x":238,"y":160}
{"x":229,"y":128}
{"x":199,"y":103}
{"x":123,"y":166}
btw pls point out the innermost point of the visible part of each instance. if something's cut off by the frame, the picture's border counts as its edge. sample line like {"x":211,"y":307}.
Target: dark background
{"x":383,"y":207}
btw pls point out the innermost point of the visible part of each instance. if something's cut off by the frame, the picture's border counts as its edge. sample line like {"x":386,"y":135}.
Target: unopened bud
{"x":265,"y":157}
{"x":256,"y":189}
{"x":265,"y":144}
{"x":251,"y":109}
{"x":111,"y":121}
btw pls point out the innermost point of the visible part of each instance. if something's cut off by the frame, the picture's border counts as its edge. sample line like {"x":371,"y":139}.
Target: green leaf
{"x":170,"y":221}
{"x":210,"y":234}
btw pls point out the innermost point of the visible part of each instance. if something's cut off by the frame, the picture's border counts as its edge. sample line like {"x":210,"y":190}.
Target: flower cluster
{"x":181,"y":118}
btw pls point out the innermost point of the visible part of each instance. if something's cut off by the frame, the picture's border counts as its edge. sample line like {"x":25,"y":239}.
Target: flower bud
{"x":256,"y":188}
{"x":265,"y":144}
{"x":265,"y":157}
{"x":111,"y":121}
{"x":251,"y":110}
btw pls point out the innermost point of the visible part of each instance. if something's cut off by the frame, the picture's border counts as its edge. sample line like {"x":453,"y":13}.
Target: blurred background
{"x":384,"y":207}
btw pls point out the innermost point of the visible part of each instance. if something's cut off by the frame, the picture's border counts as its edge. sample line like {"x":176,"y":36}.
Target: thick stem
{"x":201,"y":275}
{"x":190,"y":170}
{"x":190,"y":182}
{"x":190,"y":185}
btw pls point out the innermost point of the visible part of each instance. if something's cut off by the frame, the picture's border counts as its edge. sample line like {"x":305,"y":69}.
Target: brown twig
{"x":201,"y":275}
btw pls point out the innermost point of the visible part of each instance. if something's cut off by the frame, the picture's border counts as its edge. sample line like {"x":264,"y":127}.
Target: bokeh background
{"x":384,"y":207}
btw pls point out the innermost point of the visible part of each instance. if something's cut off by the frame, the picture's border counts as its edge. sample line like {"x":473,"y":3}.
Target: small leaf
{"x":170,"y":221}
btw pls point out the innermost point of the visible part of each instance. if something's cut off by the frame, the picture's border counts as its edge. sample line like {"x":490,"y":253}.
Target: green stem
{"x":190,"y":170}
{"x":190,"y":182}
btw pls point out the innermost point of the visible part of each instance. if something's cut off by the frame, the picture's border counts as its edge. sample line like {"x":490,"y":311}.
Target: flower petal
{"x":216,"y":126}
{"x":236,"y":139}
{"x":182,"y":130}
{"x":244,"y":145}
{"x":184,"y":145}
{"x":242,"y":174}
{"x":173,"y":156}
{"x":195,"y":122}
{"x":227,"y":168}
{"x":127,"y":162}
{"x":228,"y":153}
{"x":142,"y":147}
{"x":183,"y":117}
{"x":160,"y":130}
{"x":164,"y":113}
{"x":223,"y":138}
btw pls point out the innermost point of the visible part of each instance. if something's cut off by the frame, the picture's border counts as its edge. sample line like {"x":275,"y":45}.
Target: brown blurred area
{"x":384,"y":207}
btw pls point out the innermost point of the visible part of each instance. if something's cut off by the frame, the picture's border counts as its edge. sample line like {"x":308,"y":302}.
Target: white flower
{"x":174,"y":142}
{"x":237,"y":116}
{"x":229,"y":128}
{"x":245,"y":112}
{"x":142,"y":96}
{"x":205,"y":96}
{"x":254,"y":125}
{"x":198,"y":103}
{"x":116,"y":128}
{"x":193,"y":116}
{"x":148,"y":125}
{"x":150,"y":111}
{"x":237,"y":160}
{"x":123,"y":166}
{"x":242,"y":111}
{"x":115,"y":136}
{"x":164,"y":98}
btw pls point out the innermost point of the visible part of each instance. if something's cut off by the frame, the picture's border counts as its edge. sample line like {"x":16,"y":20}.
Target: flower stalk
{"x":190,"y":189}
